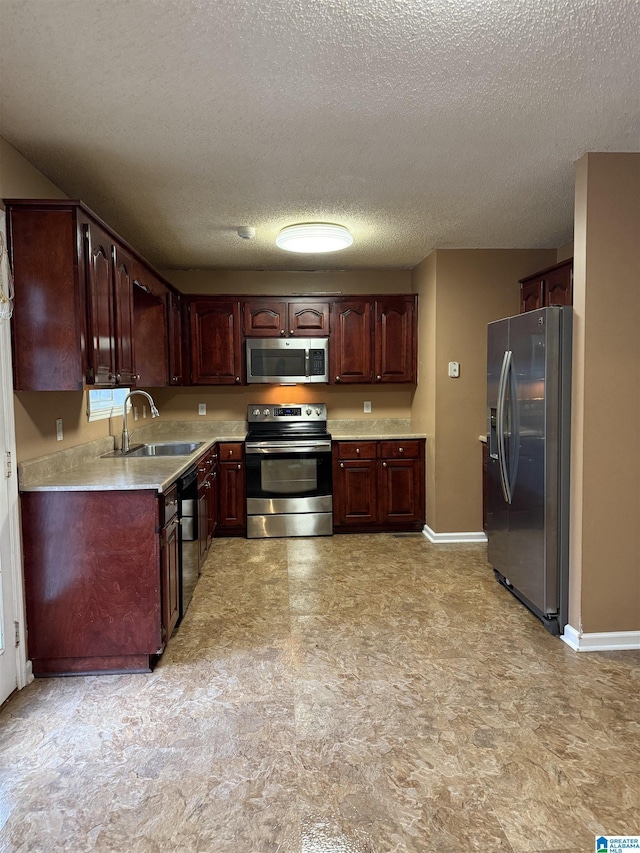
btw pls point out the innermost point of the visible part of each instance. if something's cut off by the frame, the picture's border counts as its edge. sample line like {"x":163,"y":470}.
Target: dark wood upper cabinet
{"x":350,"y":345}
{"x":100,"y":303}
{"x":531,"y":295}
{"x":150,"y":329}
{"x":123,"y":311}
{"x":176,"y":343}
{"x":552,"y":286}
{"x":395,"y":339}
{"x":264,"y":318}
{"x":216,"y":347}
{"x":76,"y":317}
{"x":272,"y":318}
{"x":308,"y":319}
{"x":374,"y":340}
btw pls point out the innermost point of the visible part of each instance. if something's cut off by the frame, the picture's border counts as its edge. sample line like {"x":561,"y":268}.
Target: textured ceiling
{"x":416,"y":123}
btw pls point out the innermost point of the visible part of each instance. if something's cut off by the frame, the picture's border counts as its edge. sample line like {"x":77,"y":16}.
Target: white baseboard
{"x":445,"y":538}
{"x":609,"y":641}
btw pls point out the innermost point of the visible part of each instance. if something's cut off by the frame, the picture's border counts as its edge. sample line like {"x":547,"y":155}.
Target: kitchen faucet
{"x":125,"y":432}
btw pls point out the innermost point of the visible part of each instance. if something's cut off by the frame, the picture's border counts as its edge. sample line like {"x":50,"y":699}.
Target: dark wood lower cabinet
{"x":170,"y":563}
{"x":378,"y":486}
{"x":94,"y":580}
{"x":232,"y":507}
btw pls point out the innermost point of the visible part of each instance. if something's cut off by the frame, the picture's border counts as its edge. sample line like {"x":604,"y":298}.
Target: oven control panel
{"x":286,"y":413}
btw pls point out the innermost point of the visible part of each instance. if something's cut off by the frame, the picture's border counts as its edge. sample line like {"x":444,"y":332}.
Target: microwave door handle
{"x":306,"y":362}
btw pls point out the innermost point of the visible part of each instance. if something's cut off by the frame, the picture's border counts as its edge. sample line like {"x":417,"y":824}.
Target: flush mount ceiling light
{"x":314,"y":237}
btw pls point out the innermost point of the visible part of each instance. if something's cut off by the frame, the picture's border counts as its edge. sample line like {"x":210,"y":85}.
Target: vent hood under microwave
{"x":287,"y":360}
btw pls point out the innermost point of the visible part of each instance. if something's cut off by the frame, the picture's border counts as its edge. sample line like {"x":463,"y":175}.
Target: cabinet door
{"x":215,"y":342}
{"x":395,"y":339}
{"x":308,"y":320}
{"x":49,"y":317}
{"x":350,"y":346}
{"x":170,"y":579}
{"x":212,"y":504}
{"x":355,"y":490}
{"x":176,"y":375}
{"x":203,"y":519}
{"x":123,"y":313}
{"x":232,"y":511}
{"x":400,"y":491}
{"x":101,"y":343}
{"x":531,"y":295}
{"x":150,"y":331}
{"x":559,"y":285}
{"x":264,"y":318}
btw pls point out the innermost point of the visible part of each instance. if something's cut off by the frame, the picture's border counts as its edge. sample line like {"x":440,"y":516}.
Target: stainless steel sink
{"x":167,"y":448}
{"x":160,"y":448}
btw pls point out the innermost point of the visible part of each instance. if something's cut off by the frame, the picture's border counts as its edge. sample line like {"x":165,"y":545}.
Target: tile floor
{"x":357,"y":694}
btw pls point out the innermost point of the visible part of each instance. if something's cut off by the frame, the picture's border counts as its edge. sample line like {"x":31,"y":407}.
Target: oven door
{"x":288,"y":476}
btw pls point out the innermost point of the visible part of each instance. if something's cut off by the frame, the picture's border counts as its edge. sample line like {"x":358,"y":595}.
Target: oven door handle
{"x":265,"y":448}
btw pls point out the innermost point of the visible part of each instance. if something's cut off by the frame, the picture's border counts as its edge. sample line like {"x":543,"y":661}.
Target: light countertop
{"x":82,"y":468}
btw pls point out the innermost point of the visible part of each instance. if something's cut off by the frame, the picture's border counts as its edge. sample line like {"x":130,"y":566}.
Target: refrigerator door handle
{"x":500,"y":417}
{"x":514,"y":438}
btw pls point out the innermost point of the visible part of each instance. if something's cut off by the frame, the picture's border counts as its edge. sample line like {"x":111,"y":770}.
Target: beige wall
{"x":267,"y":282}
{"x":460,"y":291}
{"x":19,"y":179}
{"x":605,"y":459}
{"x":564,"y":252}
{"x":231,"y":403}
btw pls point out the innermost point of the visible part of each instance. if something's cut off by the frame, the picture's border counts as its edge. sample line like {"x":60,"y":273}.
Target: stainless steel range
{"x":288,"y":469}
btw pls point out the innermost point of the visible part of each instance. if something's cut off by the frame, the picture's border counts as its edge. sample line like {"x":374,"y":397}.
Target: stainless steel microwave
{"x":287,"y":360}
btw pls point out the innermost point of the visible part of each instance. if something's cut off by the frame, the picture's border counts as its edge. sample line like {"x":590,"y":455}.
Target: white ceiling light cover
{"x":314,"y":237}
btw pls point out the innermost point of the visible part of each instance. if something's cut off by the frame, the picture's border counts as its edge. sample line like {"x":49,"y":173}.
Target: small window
{"x":106,"y":403}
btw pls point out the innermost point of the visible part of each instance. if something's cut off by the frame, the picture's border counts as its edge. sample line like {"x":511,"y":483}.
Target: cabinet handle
{"x":282,"y":332}
{"x":337,"y":379}
{"x":378,"y":378}
{"x":118,"y":378}
{"x":239,"y":466}
{"x":384,"y":464}
{"x":291,"y":332}
{"x":237,"y":379}
{"x":207,"y":485}
{"x":137,"y":376}
{"x":342,"y":464}
{"x":401,"y":450}
{"x":357,"y":450}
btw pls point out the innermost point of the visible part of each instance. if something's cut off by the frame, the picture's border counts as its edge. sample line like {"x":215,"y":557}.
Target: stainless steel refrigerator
{"x":528,"y":432}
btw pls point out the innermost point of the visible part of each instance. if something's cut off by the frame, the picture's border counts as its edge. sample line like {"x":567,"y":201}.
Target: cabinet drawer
{"x":170,"y":504}
{"x":356,"y":449}
{"x":232,"y":452}
{"x":400,"y":449}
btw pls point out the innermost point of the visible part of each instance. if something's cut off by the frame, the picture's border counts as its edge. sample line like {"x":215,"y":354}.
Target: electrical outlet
{"x":454,"y":369}
{"x":135,"y":413}
{"x":144,"y":410}
{"x":367,"y":407}
{"x":59,"y":433}
{"x":202,"y":408}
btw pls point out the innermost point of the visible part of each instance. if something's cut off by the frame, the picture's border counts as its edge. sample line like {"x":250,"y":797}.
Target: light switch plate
{"x":59,"y":432}
{"x":367,"y":407}
{"x":454,"y":369}
{"x":202,"y":408}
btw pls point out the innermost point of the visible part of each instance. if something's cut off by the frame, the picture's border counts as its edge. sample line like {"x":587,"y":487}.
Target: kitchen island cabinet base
{"x":93,"y":581}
